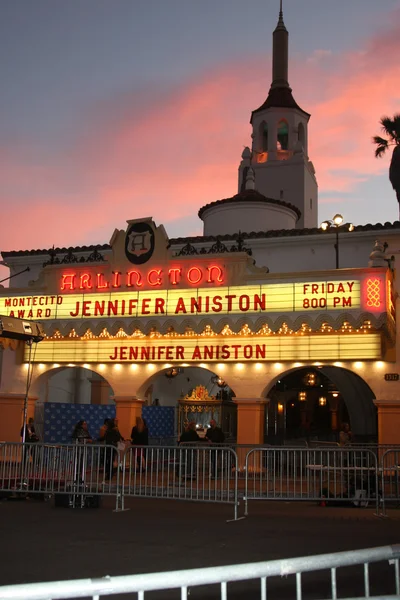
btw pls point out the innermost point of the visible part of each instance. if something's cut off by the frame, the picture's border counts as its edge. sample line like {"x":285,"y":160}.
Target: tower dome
{"x":247,"y":211}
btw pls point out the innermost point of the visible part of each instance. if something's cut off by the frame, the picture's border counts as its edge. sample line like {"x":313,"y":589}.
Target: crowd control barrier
{"x":187,"y":472}
{"x":334,"y":475}
{"x":72,"y":473}
{"x":258,"y":579}
{"x":351,"y":475}
{"x":390,"y":479}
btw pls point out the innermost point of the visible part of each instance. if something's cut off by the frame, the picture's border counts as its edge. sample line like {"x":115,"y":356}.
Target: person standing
{"x":30,"y":438}
{"x":214,"y":435}
{"x":140,"y":437}
{"x":30,"y":433}
{"x":187,"y":456}
{"x":81,"y":433}
{"x":112,"y":437}
{"x":345,"y":435}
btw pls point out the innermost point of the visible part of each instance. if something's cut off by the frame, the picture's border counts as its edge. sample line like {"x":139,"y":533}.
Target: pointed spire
{"x":280,"y":20}
{"x":280,"y":53}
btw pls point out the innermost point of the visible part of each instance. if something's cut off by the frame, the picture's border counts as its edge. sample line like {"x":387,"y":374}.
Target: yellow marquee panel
{"x":219,"y":349}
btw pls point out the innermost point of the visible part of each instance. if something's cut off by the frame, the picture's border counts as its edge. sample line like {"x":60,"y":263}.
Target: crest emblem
{"x":139,"y":243}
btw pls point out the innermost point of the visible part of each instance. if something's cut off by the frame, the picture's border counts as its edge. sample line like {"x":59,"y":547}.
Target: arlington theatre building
{"x":279,"y":328}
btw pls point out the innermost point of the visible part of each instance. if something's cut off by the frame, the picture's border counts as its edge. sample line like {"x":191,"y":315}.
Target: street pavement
{"x":44,"y":543}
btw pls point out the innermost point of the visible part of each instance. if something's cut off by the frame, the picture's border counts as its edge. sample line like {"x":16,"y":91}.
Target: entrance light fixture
{"x":217,"y":380}
{"x":336,"y":223}
{"x":322,"y":401}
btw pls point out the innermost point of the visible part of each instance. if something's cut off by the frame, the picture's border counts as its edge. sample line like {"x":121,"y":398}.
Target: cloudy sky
{"x":117,"y":109}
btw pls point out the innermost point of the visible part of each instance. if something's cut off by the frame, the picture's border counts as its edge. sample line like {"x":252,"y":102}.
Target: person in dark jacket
{"x":189,"y":434}
{"x":30,"y":438}
{"x":30,"y":433}
{"x":81,"y":433}
{"x":111,"y":438}
{"x":214,"y":434}
{"x":187,"y":458}
{"x":140,"y":437}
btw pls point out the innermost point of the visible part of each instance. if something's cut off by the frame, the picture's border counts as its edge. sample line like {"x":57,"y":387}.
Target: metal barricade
{"x":258,"y":578}
{"x":188,"y":472}
{"x":163,"y":441}
{"x":390,"y":478}
{"x":320,"y":474}
{"x":78,"y":471}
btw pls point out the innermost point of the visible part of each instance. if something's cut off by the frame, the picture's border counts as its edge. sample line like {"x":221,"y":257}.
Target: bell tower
{"x":279,"y":154}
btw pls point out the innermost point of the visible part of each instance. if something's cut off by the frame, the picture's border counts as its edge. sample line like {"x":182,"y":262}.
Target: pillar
{"x":12,"y":414}
{"x":250,"y":420}
{"x":388,"y":421}
{"x":127,"y":409}
{"x":333,"y":407}
{"x":250,"y":428}
{"x":100,"y":391}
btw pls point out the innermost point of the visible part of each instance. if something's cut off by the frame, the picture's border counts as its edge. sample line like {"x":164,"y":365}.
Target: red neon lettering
{"x":195,"y":279}
{"x":219,"y":277}
{"x":101,"y":284}
{"x":174,"y":275}
{"x":180,"y":306}
{"x":68,"y":282}
{"x":160,"y":306}
{"x":132,"y":275}
{"x":157,"y":280}
{"x":86,"y":308}
{"x":116,"y":279}
{"x":86,"y":281}
{"x":145,"y":306}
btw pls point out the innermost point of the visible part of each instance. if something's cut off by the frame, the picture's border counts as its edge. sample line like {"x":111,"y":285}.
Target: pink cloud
{"x":166,"y":152}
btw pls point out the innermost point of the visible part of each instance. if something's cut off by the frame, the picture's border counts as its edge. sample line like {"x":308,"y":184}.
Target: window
{"x":283,"y":135}
{"x":264,"y":136}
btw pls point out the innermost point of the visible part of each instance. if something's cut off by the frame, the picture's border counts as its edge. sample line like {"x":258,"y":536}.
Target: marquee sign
{"x":366,"y":293}
{"x":355,"y":346}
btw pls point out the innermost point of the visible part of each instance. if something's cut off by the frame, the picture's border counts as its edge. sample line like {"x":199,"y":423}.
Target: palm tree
{"x":391,"y":127}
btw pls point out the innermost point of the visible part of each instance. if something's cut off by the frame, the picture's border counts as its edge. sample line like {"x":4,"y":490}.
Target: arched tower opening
{"x":283,"y":135}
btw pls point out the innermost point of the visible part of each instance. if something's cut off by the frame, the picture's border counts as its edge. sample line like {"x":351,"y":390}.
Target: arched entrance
{"x":67,"y":395}
{"x":311,"y":403}
{"x":168,"y":386}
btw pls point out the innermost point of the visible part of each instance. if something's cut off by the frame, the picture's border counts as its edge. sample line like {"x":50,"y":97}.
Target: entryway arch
{"x":67,"y":395}
{"x":314,"y":401}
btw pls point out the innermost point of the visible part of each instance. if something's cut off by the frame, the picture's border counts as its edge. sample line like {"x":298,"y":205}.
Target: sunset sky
{"x":119,"y":109}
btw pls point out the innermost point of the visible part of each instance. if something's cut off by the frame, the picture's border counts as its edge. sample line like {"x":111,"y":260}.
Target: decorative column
{"x":12,"y":414}
{"x":250,"y":420}
{"x":128,"y":408}
{"x":333,"y":407}
{"x":388,"y":421}
{"x":99,"y":392}
{"x":250,"y":428}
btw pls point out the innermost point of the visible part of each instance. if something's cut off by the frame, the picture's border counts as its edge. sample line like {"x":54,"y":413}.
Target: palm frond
{"x":388,"y":127}
{"x":396,"y":121}
{"x":382,"y":145}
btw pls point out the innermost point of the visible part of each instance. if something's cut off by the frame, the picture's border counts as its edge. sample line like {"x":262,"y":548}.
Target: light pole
{"x":336,"y":223}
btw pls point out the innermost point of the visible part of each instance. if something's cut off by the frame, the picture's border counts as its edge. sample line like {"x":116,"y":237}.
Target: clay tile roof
{"x":201,"y":239}
{"x":246,"y":196}
{"x":63,"y":250}
{"x":279,"y":97}
{"x":276,"y":233}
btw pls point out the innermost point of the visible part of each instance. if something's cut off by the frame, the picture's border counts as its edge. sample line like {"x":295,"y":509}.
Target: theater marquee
{"x":355,"y":346}
{"x":367,"y":293}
